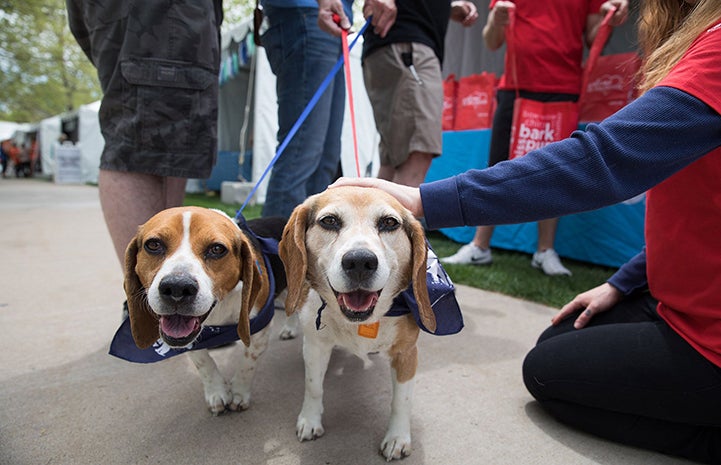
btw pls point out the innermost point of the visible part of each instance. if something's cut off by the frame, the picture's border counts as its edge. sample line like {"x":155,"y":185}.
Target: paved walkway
{"x":63,"y":400}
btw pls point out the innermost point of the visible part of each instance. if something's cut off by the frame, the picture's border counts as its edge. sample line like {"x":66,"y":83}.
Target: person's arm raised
{"x":494,"y":32}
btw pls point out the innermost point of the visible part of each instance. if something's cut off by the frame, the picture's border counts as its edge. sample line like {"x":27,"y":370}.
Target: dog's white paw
{"x":308,"y":429}
{"x":290,"y":328}
{"x":217,"y":398}
{"x":396,"y":446}
{"x":241,"y":401}
{"x":288,"y":333}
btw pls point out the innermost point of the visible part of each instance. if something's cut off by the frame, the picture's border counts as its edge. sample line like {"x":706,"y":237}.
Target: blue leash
{"x":311,"y":104}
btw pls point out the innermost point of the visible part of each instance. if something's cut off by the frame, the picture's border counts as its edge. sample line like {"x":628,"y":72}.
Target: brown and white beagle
{"x":348,"y":252}
{"x":188,"y":267}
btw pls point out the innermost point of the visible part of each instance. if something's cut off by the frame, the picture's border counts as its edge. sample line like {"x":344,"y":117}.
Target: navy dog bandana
{"x":441,"y":291}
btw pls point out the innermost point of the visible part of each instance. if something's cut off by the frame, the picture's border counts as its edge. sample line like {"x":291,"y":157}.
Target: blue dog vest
{"x":123,"y":345}
{"x":441,"y":291}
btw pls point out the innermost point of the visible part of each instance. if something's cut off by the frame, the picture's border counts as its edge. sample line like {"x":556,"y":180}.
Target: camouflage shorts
{"x":157,"y":63}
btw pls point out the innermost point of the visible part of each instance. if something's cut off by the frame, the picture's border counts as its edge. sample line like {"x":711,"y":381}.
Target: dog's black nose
{"x":178,"y":287}
{"x":359,"y":264}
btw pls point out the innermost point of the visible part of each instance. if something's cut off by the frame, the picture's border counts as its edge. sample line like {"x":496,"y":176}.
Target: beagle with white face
{"x":348,"y":252}
{"x":188,"y":267}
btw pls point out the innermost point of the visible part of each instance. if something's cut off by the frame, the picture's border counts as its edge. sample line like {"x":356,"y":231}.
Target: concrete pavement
{"x":64,"y":400}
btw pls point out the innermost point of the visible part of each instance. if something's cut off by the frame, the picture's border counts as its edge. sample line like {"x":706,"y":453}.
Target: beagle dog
{"x":348,"y":252}
{"x":191,"y":267}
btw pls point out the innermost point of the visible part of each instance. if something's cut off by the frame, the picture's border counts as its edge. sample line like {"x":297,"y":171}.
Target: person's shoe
{"x":469,"y":254}
{"x":549,"y":262}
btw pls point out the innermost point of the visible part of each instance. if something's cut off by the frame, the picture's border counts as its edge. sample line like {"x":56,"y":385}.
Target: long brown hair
{"x":666,"y":29}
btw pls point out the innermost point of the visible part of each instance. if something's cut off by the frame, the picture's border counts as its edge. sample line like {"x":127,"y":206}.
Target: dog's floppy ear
{"x":295,"y":258}
{"x":143,"y":324}
{"x":252,"y":284}
{"x":420,"y":285}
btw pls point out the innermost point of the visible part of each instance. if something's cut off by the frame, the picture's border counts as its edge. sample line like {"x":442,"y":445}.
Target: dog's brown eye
{"x":330,"y":222}
{"x":388,"y":223}
{"x":154,"y":246}
{"x":216,"y":251}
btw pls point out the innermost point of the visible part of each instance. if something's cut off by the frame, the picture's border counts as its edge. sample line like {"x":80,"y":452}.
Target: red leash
{"x":349,"y":87}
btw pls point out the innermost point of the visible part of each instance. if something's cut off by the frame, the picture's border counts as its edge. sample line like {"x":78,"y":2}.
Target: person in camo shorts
{"x":158,"y":64}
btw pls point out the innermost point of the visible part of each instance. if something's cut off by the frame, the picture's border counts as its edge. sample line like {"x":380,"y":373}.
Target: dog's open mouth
{"x":357,"y":305}
{"x":180,"y":330}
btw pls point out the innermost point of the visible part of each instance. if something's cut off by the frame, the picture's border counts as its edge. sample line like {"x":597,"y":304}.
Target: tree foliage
{"x":43,"y":72}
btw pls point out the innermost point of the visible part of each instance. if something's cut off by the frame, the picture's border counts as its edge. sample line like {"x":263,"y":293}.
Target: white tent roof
{"x":7,"y":129}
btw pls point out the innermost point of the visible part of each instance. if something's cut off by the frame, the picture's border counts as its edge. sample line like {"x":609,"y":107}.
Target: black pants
{"x":630,"y":378}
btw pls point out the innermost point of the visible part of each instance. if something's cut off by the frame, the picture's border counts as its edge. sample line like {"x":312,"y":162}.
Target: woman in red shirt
{"x":617,"y":364}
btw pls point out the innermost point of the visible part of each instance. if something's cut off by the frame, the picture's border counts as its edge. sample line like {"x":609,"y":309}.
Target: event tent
{"x":83,"y":129}
{"x":7,"y":129}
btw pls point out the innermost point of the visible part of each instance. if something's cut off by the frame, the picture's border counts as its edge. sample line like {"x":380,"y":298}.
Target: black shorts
{"x":158,"y":64}
{"x":503,"y":119}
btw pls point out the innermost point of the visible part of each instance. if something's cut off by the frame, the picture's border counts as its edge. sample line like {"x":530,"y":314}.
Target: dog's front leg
{"x":242,"y":381}
{"x":397,"y":442}
{"x":217,"y":394}
{"x":316,"y":355}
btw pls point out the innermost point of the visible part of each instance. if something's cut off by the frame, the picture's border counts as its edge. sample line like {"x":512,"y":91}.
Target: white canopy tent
{"x":90,"y":140}
{"x":50,"y":129}
{"x":7,"y":129}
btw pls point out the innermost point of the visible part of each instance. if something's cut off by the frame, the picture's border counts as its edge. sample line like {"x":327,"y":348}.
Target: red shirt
{"x":683,"y":218}
{"x":549,"y":45}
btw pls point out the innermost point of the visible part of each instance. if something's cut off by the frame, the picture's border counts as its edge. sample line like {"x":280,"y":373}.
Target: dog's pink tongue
{"x":178,"y":326}
{"x":358,"y":301}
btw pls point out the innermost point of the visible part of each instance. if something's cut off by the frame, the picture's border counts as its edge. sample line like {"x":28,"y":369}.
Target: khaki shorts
{"x":408,"y":115}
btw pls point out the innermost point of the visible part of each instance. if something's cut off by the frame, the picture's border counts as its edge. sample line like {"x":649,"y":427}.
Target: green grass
{"x":511,"y":272}
{"x":212,"y":200}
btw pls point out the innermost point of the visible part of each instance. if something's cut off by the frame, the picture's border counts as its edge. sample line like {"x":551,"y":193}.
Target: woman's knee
{"x":532,"y":370}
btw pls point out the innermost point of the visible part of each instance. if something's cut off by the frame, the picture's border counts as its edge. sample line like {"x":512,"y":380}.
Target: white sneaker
{"x":469,"y":254}
{"x":549,"y":262}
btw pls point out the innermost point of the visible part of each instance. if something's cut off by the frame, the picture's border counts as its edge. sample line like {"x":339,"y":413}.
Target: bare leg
{"x":386,"y":172}
{"x":412,"y":172}
{"x":130,"y":199}
{"x":482,"y":237}
{"x":545,"y":258}
{"x":547,"y":234}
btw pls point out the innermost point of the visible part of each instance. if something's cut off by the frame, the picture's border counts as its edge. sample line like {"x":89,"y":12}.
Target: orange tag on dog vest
{"x":369,"y":331}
